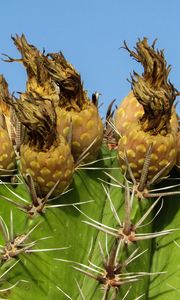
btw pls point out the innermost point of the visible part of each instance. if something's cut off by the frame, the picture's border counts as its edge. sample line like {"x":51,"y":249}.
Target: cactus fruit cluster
{"x":89,"y":209}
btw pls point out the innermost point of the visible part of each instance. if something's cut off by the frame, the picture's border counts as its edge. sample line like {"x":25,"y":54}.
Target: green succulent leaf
{"x":166,"y":252}
{"x":84,"y":232}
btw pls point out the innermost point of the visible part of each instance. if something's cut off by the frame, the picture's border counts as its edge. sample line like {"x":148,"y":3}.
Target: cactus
{"x":103,"y":238}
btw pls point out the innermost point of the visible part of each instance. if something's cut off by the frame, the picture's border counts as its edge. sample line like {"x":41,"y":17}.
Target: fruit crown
{"x":152,"y":89}
{"x":39,"y":118}
{"x":72,"y":94}
{"x":32,"y":58}
{"x":52,"y":72}
{"x":34,"y":62}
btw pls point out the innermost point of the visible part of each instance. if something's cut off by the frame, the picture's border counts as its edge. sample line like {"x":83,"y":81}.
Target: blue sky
{"x":90,"y":33}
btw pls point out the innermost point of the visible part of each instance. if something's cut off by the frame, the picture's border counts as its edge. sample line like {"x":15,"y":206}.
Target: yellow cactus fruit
{"x":83,"y":133}
{"x":7,"y":154}
{"x":122,"y":119}
{"x":75,"y":112}
{"x":147,"y":115}
{"x":44,"y":155}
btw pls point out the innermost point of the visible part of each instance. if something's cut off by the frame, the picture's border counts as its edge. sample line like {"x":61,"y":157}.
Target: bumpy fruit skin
{"x":47,"y":167}
{"x":146,"y":119}
{"x":130,"y":110}
{"x":122,"y":119}
{"x":7,"y":154}
{"x":135,"y":143}
{"x":86,"y":127}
